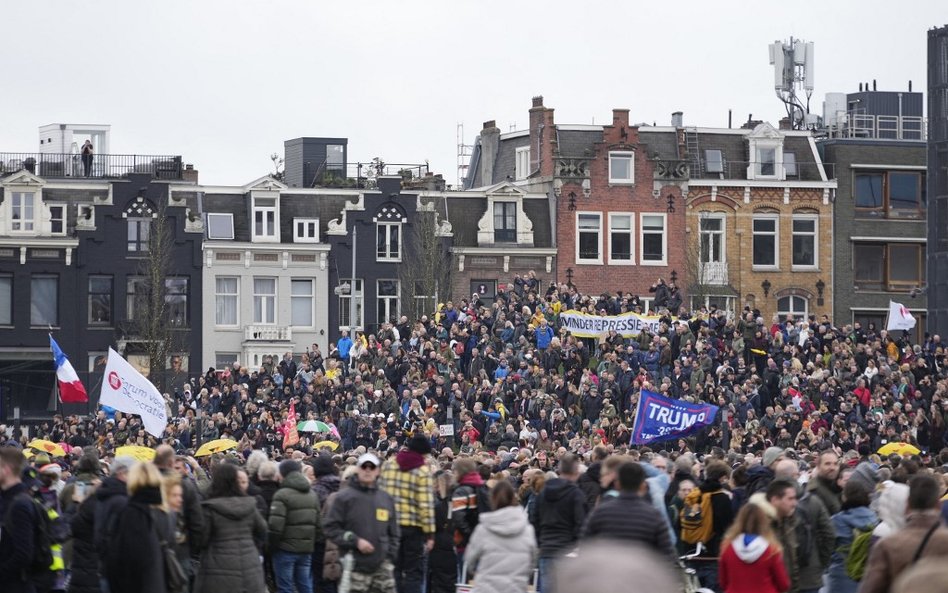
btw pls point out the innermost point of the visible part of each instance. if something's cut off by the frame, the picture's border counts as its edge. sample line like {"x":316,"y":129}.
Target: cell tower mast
{"x":793,"y":73}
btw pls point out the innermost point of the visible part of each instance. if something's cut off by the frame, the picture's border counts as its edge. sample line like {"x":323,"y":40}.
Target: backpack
{"x":697,"y":517}
{"x":856,"y":553}
{"x":44,"y":561}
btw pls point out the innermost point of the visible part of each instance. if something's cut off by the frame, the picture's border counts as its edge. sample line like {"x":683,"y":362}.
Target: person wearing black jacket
{"x":18,"y":518}
{"x":110,"y":500}
{"x":557,"y":518}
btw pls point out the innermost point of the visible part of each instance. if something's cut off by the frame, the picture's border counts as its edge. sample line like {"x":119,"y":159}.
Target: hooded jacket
{"x":557,"y":516}
{"x":295,"y":524}
{"x":503,"y":551}
{"x":366,"y":512}
{"x":844,"y":523}
{"x":750,"y":564}
{"x":111,"y":498}
{"x":230,"y":561}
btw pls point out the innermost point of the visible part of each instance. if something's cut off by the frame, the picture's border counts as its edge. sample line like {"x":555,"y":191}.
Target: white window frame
{"x":816,"y":241}
{"x":718,"y":162}
{"x":783,"y":313}
{"x":357,"y":290}
{"x":630,"y":232}
{"x":17,"y":203}
{"x":262,"y":297}
{"x":790,"y":166}
{"x":776,"y":236}
{"x":139,"y":224}
{"x":598,"y":260}
{"x":760,"y":161}
{"x":306,"y":230}
{"x":642,"y":233}
{"x":393,"y":302}
{"x":311,"y":297}
{"x":723,"y":234}
{"x":213,"y":215}
{"x":623,"y":154}
{"x":218,"y":295}
{"x":261,"y":235}
{"x":61,"y":208}
{"x":521,"y":164}
{"x":504,"y":205}
{"x":388,"y":256}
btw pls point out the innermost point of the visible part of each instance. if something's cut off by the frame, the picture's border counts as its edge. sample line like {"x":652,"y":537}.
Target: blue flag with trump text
{"x":658,"y":418}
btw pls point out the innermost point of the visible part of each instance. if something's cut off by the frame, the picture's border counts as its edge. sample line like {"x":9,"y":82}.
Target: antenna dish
{"x":793,"y":72}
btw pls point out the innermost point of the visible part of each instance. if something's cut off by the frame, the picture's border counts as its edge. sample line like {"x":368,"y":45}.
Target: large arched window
{"x":792,"y":307}
{"x":388,"y":232}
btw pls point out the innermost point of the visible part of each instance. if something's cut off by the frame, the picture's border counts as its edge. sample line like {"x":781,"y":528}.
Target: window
{"x":387,"y":301}
{"x":387,"y":241}
{"x":264,"y":301}
{"x":344,"y":304}
{"x":6,"y":300}
{"x":869,"y":264}
{"x":301,"y":302}
{"x":57,"y":219}
{"x":620,"y":239}
{"x":23,"y":211}
{"x":804,"y":241}
{"x":653,"y":239}
{"x":306,"y":230}
{"x":220,"y":225}
{"x":136,"y":298}
{"x":766,"y":246}
{"x":588,"y":238}
{"x":522,"y":163}
{"x":790,"y":164}
{"x":100,"y":300}
{"x":225,"y":360}
{"x":714,"y":161}
{"x":621,"y":167}
{"x":791,"y":307}
{"x":226,"y":299}
{"x":335,"y":157}
{"x":505,"y":222}
{"x":264,"y":219}
{"x":711,"y":229}
{"x":893,"y":194}
{"x":44,"y":301}
{"x":906,"y":265}
{"x":176,"y":301}
{"x":139,"y":234}
{"x":767,"y":162}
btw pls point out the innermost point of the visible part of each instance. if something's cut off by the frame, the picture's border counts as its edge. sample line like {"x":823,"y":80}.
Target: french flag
{"x":71,"y":390}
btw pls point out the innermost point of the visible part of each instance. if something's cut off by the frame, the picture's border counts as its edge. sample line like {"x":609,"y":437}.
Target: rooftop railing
{"x":100,"y":166}
{"x":878,"y":127}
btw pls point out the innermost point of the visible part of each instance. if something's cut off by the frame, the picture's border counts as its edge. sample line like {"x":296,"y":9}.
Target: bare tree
{"x":425,"y":273}
{"x":695,"y":276}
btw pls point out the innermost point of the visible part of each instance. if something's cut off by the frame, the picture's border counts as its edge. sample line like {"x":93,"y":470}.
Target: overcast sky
{"x":224,"y":83}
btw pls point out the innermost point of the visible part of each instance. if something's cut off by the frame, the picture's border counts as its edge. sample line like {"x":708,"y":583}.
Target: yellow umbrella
{"x":215,"y":446}
{"x":29,"y":453}
{"x":47,"y":447}
{"x":332,"y":446}
{"x":136,"y":451}
{"x":900,"y":448}
{"x":758,"y":351}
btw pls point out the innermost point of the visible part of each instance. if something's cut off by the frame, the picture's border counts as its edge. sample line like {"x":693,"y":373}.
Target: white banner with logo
{"x":127,"y":390}
{"x":628,"y":325}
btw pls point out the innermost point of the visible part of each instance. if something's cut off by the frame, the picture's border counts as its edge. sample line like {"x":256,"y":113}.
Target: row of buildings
{"x":788,"y":222}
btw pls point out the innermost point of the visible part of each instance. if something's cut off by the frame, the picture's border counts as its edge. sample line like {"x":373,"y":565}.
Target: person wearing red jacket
{"x":751,"y":556}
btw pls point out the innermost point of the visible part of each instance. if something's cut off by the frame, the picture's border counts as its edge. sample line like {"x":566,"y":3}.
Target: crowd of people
{"x":486,"y":443}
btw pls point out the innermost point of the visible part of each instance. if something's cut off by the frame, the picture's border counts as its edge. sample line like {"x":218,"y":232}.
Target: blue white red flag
{"x":71,"y":390}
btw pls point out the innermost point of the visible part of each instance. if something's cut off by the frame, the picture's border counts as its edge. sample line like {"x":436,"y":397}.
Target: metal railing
{"x":100,"y":166}
{"x":761,"y":170}
{"x":268,"y":333}
{"x":879,"y":127}
{"x":714,"y":273}
{"x":365,"y":175}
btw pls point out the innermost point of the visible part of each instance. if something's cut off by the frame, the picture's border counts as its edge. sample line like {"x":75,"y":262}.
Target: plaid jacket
{"x":413,"y":492}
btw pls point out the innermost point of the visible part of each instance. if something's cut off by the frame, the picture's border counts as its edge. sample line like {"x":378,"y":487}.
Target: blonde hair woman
{"x":134,"y":560}
{"x":751,"y":556}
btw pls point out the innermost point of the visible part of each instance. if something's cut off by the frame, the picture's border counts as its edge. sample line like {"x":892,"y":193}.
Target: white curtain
{"x":302,"y":303}
{"x":226,"y":301}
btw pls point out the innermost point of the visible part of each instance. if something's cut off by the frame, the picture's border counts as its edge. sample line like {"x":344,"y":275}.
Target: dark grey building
{"x":73,"y":261}
{"x":311,"y":162}
{"x":938,"y":180}
{"x":879,"y":218}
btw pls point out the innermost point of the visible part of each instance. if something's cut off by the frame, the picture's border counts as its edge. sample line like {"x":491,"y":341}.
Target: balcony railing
{"x":268,"y":333}
{"x":878,"y":127}
{"x":705,"y":169}
{"x":102,"y":165}
{"x":364,"y":175}
{"x":714,"y":273}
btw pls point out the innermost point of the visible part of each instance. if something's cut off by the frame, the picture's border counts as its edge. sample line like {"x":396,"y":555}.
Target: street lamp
{"x":766,"y":286}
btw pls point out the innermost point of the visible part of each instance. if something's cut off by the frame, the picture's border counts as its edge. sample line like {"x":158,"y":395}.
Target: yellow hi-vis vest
{"x":56,"y":549}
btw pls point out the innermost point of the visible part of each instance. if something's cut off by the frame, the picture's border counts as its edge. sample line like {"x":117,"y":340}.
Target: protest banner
{"x":127,"y":390}
{"x":659,"y":418}
{"x":627,"y":325}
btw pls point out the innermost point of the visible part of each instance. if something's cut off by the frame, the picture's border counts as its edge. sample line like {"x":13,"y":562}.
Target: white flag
{"x":899,"y":317}
{"x":126,"y":390}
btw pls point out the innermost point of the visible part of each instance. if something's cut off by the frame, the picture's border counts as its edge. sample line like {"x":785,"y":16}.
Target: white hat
{"x":368,"y":457}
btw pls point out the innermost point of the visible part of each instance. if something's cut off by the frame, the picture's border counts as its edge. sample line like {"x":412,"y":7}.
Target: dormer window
{"x":765,"y":147}
{"x":265,"y":219}
{"x":57,"y":219}
{"x":306,"y":230}
{"x":23,"y":214}
{"x":766,"y":162}
{"x":220,"y":225}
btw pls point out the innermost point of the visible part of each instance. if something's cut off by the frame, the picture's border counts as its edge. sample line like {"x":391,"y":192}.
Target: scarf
{"x":409,"y":460}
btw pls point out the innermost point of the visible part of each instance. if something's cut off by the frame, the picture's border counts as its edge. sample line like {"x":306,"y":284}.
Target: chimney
{"x":490,"y":143}
{"x":542,"y":138}
{"x":860,"y":87}
{"x":785,"y":124}
{"x":677,"y":119}
{"x":873,"y":84}
{"x":190,"y":174}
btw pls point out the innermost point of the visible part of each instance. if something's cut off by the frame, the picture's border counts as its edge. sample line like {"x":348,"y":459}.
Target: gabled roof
{"x":23,"y":177}
{"x":266,"y":183}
